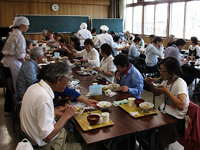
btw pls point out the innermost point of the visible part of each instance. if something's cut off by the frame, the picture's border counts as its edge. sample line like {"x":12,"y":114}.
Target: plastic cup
{"x":105,"y":117}
{"x":131,"y":102}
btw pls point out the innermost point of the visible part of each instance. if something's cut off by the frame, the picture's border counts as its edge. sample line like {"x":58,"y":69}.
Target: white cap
{"x":20,"y":20}
{"x":11,"y":26}
{"x":83,"y":25}
{"x":104,"y":28}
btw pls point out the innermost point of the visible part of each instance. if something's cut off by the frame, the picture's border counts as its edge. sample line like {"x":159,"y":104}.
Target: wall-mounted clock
{"x":55,"y":7}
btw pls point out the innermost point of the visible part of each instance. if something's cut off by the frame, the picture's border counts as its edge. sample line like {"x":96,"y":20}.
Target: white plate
{"x":104,"y":104}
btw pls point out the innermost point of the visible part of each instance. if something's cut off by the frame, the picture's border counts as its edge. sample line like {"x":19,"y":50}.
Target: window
{"x":193,"y":20}
{"x":129,"y":19}
{"x":149,"y":0}
{"x":131,"y":1}
{"x":161,"y":20}
{"x":177,"y":19}
{"x":137,"y":19}
{"x":149,"y":20}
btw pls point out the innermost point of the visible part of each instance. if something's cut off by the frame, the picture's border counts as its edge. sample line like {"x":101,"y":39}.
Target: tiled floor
{"x":9,"y":140}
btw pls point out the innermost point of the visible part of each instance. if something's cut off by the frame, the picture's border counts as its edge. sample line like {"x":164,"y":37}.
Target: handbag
{"x":24,"y":145}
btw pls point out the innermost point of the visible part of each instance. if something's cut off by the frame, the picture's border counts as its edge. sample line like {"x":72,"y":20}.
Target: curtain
{"x":114,"y":8}
{"x":122,"y":11}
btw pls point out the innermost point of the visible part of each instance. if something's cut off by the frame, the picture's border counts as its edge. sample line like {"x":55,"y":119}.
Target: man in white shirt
{"x":104,"y":37}
{"x":83,"y":33}
{"x":37,"y":113}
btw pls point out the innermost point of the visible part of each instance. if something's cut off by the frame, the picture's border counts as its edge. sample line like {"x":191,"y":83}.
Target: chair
{"x":191,"y":140}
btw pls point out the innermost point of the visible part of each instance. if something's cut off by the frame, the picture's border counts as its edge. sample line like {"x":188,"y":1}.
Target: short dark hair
{"x":62,"y":40}
{"x":112,"y":32}
{"x":137,"y":38}
{"x":121,"y":60}
{"x":194,"y":40}
{"x":157,"y":39}
{"x":106,"y":49}
{"x":75,"y":40}
{"x":180,"y":42}
{"x":137,"y":35}
{"x":172,"y":65}
{"x":173,"y":37}
{"x":116,"y":38}
{"x":152,"y":36}
{"x":89,"y":42}
{"x":28,"y":42}
{"x":49,"y":31}
{"x":94,"y":30}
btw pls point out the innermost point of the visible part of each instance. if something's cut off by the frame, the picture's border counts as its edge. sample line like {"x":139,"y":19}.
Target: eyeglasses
{"x":162,"y":71}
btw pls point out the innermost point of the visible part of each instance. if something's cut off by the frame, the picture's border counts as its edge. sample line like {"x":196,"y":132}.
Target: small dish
{"x":103,"y":105}
{"x":79,"y":109}
{"x":146,"y":106}
{"x":93,"y":119}
{"x":157,"y":85}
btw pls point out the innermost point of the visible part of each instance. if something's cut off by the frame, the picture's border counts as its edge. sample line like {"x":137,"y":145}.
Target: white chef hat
{"x":11,"y":26}
{"x":20,"y":20}
{"x":104,"y":28}
{"x":83,"y":25}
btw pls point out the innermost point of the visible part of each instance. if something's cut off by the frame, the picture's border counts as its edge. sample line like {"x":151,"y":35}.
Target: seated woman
{"x":128,"y":76}
{"x":133,"y":50}
{"x":107,"y":67}
{"x":117,"y":46}
{"x":90,"y":54}
{"x":55,"y":43}
{"x":194,"y":49}
{"x":152,"y":52}
{"x":174,"y":88}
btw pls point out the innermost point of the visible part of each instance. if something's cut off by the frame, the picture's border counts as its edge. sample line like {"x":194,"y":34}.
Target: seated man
{"x":128,"y":76}
{"x":171,"y":40}
{"x":129,"y":37}
{"x":133,"y":50}
{"x":28,"y":76}
{"x":28,"y":72}
{"x":37,"y":113}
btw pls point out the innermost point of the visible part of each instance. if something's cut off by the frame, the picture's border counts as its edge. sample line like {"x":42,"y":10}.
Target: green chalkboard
{"x":58,"y":23}
{"x":115,"y":25}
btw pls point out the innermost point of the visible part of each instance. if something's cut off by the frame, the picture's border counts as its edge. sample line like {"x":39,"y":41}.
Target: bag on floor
{"x":24,"y":145}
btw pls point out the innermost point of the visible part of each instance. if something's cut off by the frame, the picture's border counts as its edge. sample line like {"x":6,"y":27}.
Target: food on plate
{"x":78,"y":109}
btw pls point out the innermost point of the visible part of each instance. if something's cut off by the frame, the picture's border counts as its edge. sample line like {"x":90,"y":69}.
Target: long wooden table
{"x":124,"y":124}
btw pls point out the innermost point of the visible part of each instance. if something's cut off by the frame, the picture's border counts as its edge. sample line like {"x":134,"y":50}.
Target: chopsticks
{"x":157,"y":78}
{"x":85,"y":123}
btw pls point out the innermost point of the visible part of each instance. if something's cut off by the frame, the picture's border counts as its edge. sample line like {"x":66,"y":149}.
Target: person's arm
{"x":20,"y":48}
{"x":157,"y":52}
{"x":94,"y":59}
{"x":178,"y":101}
{"x":198,"y":52}
{"x":68,"y":113}
{"x":149,"y":81}
{"x":90,"y":102}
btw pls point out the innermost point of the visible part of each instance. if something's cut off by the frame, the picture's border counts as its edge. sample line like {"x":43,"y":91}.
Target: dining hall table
{"x":125,"y":126}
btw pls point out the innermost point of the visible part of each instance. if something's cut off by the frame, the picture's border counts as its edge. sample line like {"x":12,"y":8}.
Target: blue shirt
{"x":27,"y":76}
{"x":173,"y":51}
{"x":133,"y":51}
{"x":68,"y":93}
{"x":134,"y":80}
{"x":152,"y":54}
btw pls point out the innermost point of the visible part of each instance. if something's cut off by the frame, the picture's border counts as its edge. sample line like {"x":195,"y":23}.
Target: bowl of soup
{"x":93,"y":119}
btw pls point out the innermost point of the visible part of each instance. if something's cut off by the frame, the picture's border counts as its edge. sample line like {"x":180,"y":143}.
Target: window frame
{"x":169,"y":2}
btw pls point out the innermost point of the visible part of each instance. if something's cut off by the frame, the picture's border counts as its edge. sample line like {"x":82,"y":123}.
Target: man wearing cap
{"x":83,"y":34}
{"x":104,"y":37}
{"x":14,"y":52}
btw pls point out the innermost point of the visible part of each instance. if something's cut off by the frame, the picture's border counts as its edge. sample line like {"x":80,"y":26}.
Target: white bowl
{"x":146,"y":106}
{"x":79,"y":109}
{"x":103,"y":105}
{"x":157,"y":85}
{"x":114,"y":86}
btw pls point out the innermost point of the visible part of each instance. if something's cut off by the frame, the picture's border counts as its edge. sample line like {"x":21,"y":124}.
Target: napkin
{"x":117,"y":103}
{"x":109,"y":93}
{"x":134,"y":113}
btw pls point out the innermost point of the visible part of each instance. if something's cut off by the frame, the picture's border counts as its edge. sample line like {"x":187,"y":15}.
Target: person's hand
{"x":124,"y":88}
{"x":117,"y":77}
{"x":92,"y":102}
{"x":69,"y":111}
{"x":98,"y":69}
{"x":84,"y":60}
{"x":59,"y":111}
{"x":189,"y":58}
{"x":162,"y":89}
{"x":73,"y":51}
{"x":127,"y":47}
{"x":149,"y":80}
